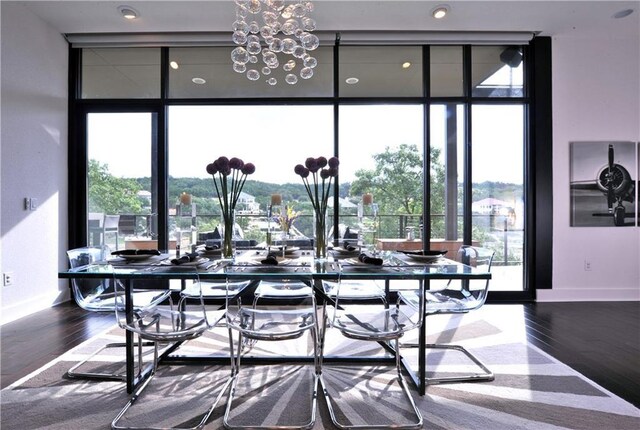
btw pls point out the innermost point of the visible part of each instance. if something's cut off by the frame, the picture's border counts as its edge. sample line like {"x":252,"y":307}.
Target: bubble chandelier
{"x":271,"y":34}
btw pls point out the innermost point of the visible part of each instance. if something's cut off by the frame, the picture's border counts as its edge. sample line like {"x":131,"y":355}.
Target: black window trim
{"x":538,"y":148}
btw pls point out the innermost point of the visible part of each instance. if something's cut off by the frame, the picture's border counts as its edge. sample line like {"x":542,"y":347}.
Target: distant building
{"x":490,"y":206}
{"x":343,"y":203}
{"x":145,"y":197}
{"x":247,"y":204}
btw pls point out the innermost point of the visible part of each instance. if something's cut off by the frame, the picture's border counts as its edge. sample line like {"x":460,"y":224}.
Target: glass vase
{"x":368,"y":227}
{"x":273,"y":226}
{"x":284,"y":236}
{"x":320,"y":236}
{"x":228,"y":222}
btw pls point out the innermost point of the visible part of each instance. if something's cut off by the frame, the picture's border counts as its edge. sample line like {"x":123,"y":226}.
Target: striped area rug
{"x":531,"y":390}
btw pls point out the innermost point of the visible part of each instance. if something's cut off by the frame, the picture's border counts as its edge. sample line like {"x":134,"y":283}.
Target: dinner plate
{"x":288,"y":250}
{"x":135,"y":257}
{"x":355,"y":263}
{"x":345,"y":252}
{"x":430,"y":256}
{"x":136,"y":254}
{"x":200,"y":261}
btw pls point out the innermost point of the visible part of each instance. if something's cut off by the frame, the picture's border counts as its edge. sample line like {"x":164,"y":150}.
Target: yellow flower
{"x":287,"y":218}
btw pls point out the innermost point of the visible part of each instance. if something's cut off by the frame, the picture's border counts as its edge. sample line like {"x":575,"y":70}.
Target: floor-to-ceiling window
{"x":274,"y":138}
{"x":447,"y":137}
{"x":121,"y":143}
{"x":463,"y":108}
{"x":120,"y":200}
{"x":381,"y":153}
{"x":498,"y":189}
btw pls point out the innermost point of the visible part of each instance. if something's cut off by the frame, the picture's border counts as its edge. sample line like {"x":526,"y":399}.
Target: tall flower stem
{"x":231,"y":177}
{"x":227,"y":242}
{"x":319,"y":195}
{"x":320,"y":248}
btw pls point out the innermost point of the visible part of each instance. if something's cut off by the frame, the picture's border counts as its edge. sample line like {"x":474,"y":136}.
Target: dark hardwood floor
{"x":31,"y":342}
{"x":601,"y":340}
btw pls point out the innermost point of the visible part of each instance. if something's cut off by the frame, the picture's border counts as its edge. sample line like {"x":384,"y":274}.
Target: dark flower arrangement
{"x":322,"y":172}
{"x":231,"y":175}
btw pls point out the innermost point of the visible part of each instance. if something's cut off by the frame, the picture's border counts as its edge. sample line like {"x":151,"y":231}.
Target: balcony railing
{"x":494,"y":231}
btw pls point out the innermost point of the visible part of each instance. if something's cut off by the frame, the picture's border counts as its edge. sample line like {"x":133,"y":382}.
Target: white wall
{"x":596,"y":97}
{"x":33,"y":161}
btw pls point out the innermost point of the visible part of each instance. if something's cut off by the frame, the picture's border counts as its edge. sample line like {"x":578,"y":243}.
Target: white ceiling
{"x":548,"y":18}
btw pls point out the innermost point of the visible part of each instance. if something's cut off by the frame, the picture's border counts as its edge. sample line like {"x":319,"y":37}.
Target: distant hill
{"x":202,"y":189}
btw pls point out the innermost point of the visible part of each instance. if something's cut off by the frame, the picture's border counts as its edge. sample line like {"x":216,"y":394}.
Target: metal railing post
{"x":506,"y":239}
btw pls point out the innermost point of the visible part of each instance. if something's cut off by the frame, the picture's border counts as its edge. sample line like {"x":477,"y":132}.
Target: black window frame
{"x":538,"y":178}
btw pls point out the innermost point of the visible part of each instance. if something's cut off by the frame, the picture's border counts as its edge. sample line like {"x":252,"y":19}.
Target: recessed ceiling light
{"x":174,"y":65}
{"x":352,"y":81}
{"x":128,"y":12}
{"x":623,"y":13}
{"x":406,"y":65}
{"x":440,"y":11}
{"x":198,"y":81}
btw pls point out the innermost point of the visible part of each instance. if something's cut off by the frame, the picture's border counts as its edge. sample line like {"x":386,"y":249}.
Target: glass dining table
{"x":248,"y":265}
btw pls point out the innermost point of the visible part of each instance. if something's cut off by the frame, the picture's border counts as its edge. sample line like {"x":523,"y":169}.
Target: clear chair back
{"x":166,"y":322}
{"x":91,"y":294}
{"x":371,"y":319}
{"x":463,"y":295}
{"x":270,"y":320}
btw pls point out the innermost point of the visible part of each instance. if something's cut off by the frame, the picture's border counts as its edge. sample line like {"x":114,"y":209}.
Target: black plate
{"x":429,"y":253}
{"x":129,"y":252}
{"x":425,"y":257}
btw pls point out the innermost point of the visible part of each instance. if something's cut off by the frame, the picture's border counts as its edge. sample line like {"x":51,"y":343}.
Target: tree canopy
{"x":396,"y":180}
{"x":110,"y":194}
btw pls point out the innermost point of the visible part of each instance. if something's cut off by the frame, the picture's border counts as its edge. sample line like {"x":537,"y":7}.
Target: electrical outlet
{"x":587,"y":265}
{"x":8,"y":278}
{"x":30,"y":203}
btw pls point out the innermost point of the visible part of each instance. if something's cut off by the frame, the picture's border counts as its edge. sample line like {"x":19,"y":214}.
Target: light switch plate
{"x":8,"y":279}
{"x":30,"y":203}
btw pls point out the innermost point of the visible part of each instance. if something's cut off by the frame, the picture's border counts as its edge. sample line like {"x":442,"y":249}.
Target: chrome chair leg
{"x":485,"y":375}
{"x":234,"y":380}
{"x":115,"y":425}
{"x":138,"y":392}
{"x":235,"y":373}
{"x":405,"y":389}
{"x":73,"y":374}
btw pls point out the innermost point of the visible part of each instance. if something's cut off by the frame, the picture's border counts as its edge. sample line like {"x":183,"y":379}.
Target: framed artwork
{"x":604,"y":184}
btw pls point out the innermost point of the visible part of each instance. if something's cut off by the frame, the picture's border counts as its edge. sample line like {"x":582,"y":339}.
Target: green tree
{"x":396,"y":183}
{"x":396,"y":180}
{"x":110,"y":194}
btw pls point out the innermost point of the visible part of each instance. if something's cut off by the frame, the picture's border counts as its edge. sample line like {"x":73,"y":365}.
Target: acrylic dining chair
{"x":162,"y":324}
{"x":99,"y":295}
{"x":457,"y":297}
{"x":273,"y":322}
{"x":371,"y":321}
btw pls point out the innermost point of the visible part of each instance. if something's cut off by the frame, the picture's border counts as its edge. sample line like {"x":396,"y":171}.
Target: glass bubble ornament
{"x":291,"y":79}
{"x":253,"y":75}
{"x":240,"y":55}
{"x":306,"y":72}
{"x":270,"y":33}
